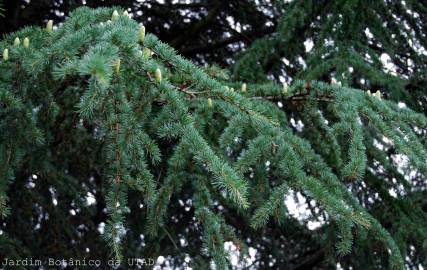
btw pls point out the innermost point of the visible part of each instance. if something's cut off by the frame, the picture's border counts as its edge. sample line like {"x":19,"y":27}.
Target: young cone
{"x":158,"y":75}
{"x":5,"y":54}
{"x":115,"y":15}
{"x":285,"y":88}
{"x":26,"y":42}
{"x":49,"y":26}
{"x":142,"y":34}
{"x":17,"y":41}
{"x":146,"y":53}
{"x":117,"y":66}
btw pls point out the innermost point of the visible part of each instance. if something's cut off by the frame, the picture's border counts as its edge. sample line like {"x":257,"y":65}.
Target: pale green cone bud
{"x":378,"y":94}
{"x":115,"y":15}
{"x":285,"y":88}
{"x":125,"y":13}
{"x":210,"y":103}
{"x":142,"y":34}
{"x":158,"y":75}
{"x":117,"y":66}
{"x":369,"y":93}
{"x":49,"y":26}
{"x":244,"y":88}
{"x":26,"y":42}
{"x":146,"y":53}
{"x":5,"y":54}
{"x":16,"y":42}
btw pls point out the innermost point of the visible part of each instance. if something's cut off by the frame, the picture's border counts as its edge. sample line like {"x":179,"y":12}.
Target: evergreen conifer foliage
{"x":366,"y":45}
{"x":97,"y":96}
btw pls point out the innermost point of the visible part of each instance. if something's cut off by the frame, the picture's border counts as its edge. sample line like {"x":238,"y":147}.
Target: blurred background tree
{"x":371,"y":45}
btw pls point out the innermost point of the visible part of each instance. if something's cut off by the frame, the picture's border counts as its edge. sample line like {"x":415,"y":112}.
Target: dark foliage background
{"x":255,"y":41}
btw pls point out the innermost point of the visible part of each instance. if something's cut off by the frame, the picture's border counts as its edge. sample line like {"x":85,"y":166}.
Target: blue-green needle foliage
{"x":162,"y":124}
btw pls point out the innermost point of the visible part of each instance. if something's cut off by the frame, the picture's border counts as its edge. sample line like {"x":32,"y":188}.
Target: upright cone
{"x":26,"y":42}
{"x":17,"y":41}
{"x":5,"y":54}
{"x":49,"y":26}
{"x":142,"y":34}
{"x":285,"y":88}
{"x":158,"y":75}
{"x":117,"y":66}
{"x":115,"y":15}
{"x":146,"y":53}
